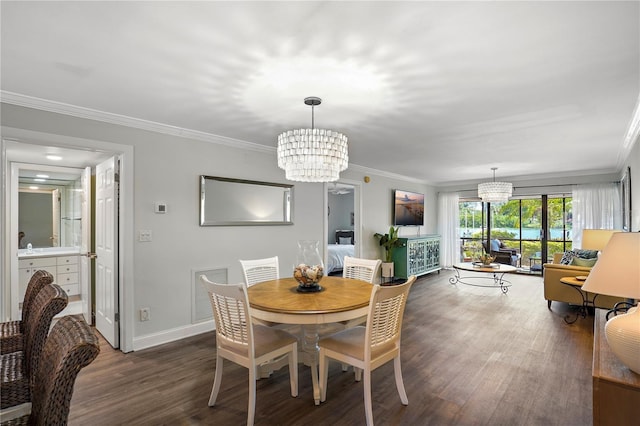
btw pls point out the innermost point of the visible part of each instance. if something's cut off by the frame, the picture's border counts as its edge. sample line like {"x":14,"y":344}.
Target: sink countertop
{"x":48,"y":252}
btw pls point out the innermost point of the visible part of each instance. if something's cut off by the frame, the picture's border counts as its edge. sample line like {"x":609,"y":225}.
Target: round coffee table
{"x":496,"y":273}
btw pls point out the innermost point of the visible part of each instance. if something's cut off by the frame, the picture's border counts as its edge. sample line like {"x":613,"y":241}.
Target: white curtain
{"x":595,"y":206}
{"x":448,"y":224}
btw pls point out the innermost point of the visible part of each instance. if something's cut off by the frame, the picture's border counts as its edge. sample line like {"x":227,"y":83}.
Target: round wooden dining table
{"x":278,"y":301}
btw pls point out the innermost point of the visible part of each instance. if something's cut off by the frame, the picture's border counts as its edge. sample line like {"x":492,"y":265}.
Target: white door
{"x":85,"y":244}
{"x":106,"y":285}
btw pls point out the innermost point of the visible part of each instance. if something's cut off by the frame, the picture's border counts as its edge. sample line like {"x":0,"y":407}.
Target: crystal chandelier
{"x":495,"y":192}
{"x":312,"y":155}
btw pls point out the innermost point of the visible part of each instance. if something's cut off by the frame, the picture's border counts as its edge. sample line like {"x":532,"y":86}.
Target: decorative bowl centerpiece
{"x":310,"y":269}
{"x":486,"y":259}
{"x":308,"y":276}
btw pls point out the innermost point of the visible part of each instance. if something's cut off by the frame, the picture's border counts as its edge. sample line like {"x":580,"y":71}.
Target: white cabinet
{"x":67,"y":274}
{"x":63,"y":268}
{"x":28,"y":267}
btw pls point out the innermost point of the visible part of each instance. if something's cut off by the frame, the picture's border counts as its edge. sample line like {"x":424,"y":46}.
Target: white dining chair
{"x":245,"y":343}
{"x":371,"y":346}
{"x":259,"y":270}
{"x":361,"y":269}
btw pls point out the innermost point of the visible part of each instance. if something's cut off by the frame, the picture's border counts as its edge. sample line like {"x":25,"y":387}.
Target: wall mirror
{"x":225,"y":202}
{"x":49,"y":206}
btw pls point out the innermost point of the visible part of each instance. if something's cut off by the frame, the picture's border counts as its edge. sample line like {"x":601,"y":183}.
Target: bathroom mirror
{"x":49,"y":207}
{"x":225,"y":202}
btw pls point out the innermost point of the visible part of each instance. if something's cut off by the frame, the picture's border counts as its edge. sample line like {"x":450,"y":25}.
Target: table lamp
{"x":596,"y":239}
{"x":617,"y":273}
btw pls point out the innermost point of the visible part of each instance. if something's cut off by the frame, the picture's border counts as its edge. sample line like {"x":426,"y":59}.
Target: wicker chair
{"x":12,"y":332}
{"x":370,"y":347}
{"x":71,"y":346}
{"x":18,"y":368}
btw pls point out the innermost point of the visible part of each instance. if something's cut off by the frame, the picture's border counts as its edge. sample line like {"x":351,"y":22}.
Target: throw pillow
{"x":567,"y":256}
{"x":586,"y":254}
{"x":578,"y":261}
{"x":495,"y":245}
{"x":345,"y":240}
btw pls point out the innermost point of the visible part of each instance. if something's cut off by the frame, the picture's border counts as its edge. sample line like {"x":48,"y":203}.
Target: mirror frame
{"x":16,"y":170}
{"x":268,"y":194}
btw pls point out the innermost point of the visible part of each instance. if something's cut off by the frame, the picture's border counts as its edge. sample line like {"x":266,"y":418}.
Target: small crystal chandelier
{"x":495,"y":192}
{"x":312,"y":155}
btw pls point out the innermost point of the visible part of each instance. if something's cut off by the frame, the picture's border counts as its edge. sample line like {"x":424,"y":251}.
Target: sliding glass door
{"x":518,"y":224}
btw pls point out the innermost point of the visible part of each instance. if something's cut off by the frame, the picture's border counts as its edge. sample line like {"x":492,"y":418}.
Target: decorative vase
{"x":309,"y":268}
{"x":623,"y":336}
{"x":387,"y":269}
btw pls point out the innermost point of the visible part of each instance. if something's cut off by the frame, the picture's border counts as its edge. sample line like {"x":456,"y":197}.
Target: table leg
{"x":310,"y":349}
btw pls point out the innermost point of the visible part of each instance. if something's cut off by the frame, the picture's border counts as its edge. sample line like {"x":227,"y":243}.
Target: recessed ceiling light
{"x":39,"y":180}
{"x":54,"y":157}
{"x":34,"y":187}
{"x":42,"y":176}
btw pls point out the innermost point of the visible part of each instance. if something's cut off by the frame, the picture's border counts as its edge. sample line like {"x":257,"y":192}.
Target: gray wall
{"x":167,"y":169}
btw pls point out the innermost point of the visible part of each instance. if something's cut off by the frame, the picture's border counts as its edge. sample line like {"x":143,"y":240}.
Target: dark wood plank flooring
{"x":471,"y":356}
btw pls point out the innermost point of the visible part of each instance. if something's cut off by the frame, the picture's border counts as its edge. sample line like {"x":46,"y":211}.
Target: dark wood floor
{"x":471,"y":356}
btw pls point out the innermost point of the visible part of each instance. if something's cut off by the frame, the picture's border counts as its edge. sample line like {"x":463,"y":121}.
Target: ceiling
{"x":436,"y":91}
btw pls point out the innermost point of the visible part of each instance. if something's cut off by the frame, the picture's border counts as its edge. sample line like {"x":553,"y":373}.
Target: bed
{"x":336,"y":252}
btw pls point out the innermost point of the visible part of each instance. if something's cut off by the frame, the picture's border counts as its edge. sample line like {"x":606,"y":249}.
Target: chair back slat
{"x":361,"y":269}
{"x":229,"y":303}
{"x":259,"y":270}
{"x":386,"y":310}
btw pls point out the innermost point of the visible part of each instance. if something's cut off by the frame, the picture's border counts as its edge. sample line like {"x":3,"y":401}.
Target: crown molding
{"x":631,"y":137}
{"x":123,"y":120}
{"x":152,"y":126}
{"x":382,"y":173}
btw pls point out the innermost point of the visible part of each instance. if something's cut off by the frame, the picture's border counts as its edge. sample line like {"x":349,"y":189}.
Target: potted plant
{"x":389,"y":241}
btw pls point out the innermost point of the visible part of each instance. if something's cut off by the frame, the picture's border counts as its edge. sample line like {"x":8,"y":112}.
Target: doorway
{"x":30,"y":148}
{"x":342,"y":224}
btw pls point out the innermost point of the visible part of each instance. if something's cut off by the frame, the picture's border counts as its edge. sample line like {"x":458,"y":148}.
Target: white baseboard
{"x":155,"y":339}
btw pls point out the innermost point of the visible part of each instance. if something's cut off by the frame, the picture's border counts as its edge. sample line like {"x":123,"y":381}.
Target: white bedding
{"x":335,"y":256}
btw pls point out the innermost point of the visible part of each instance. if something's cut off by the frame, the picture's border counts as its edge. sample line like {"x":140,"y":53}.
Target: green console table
{"x":417,"y":256}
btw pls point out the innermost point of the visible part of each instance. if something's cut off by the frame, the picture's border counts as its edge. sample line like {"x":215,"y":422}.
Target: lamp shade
{"x":495,"y":192}
{"x":312,"y":155}
{"x":596,"y":239}
{"x":617,"y":271}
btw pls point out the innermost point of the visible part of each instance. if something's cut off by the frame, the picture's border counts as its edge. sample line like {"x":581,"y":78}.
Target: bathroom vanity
{"x":61,"y":262}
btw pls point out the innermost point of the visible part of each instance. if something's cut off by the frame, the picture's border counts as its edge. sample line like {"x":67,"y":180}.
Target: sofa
{"x":554,"y":290}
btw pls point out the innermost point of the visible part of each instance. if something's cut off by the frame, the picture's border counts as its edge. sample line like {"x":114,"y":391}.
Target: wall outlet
{"x":145,"y":235}
{"x":145,"y":314}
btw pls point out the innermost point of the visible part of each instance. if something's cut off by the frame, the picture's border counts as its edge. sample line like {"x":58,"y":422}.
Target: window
{"x":519,"y":224}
